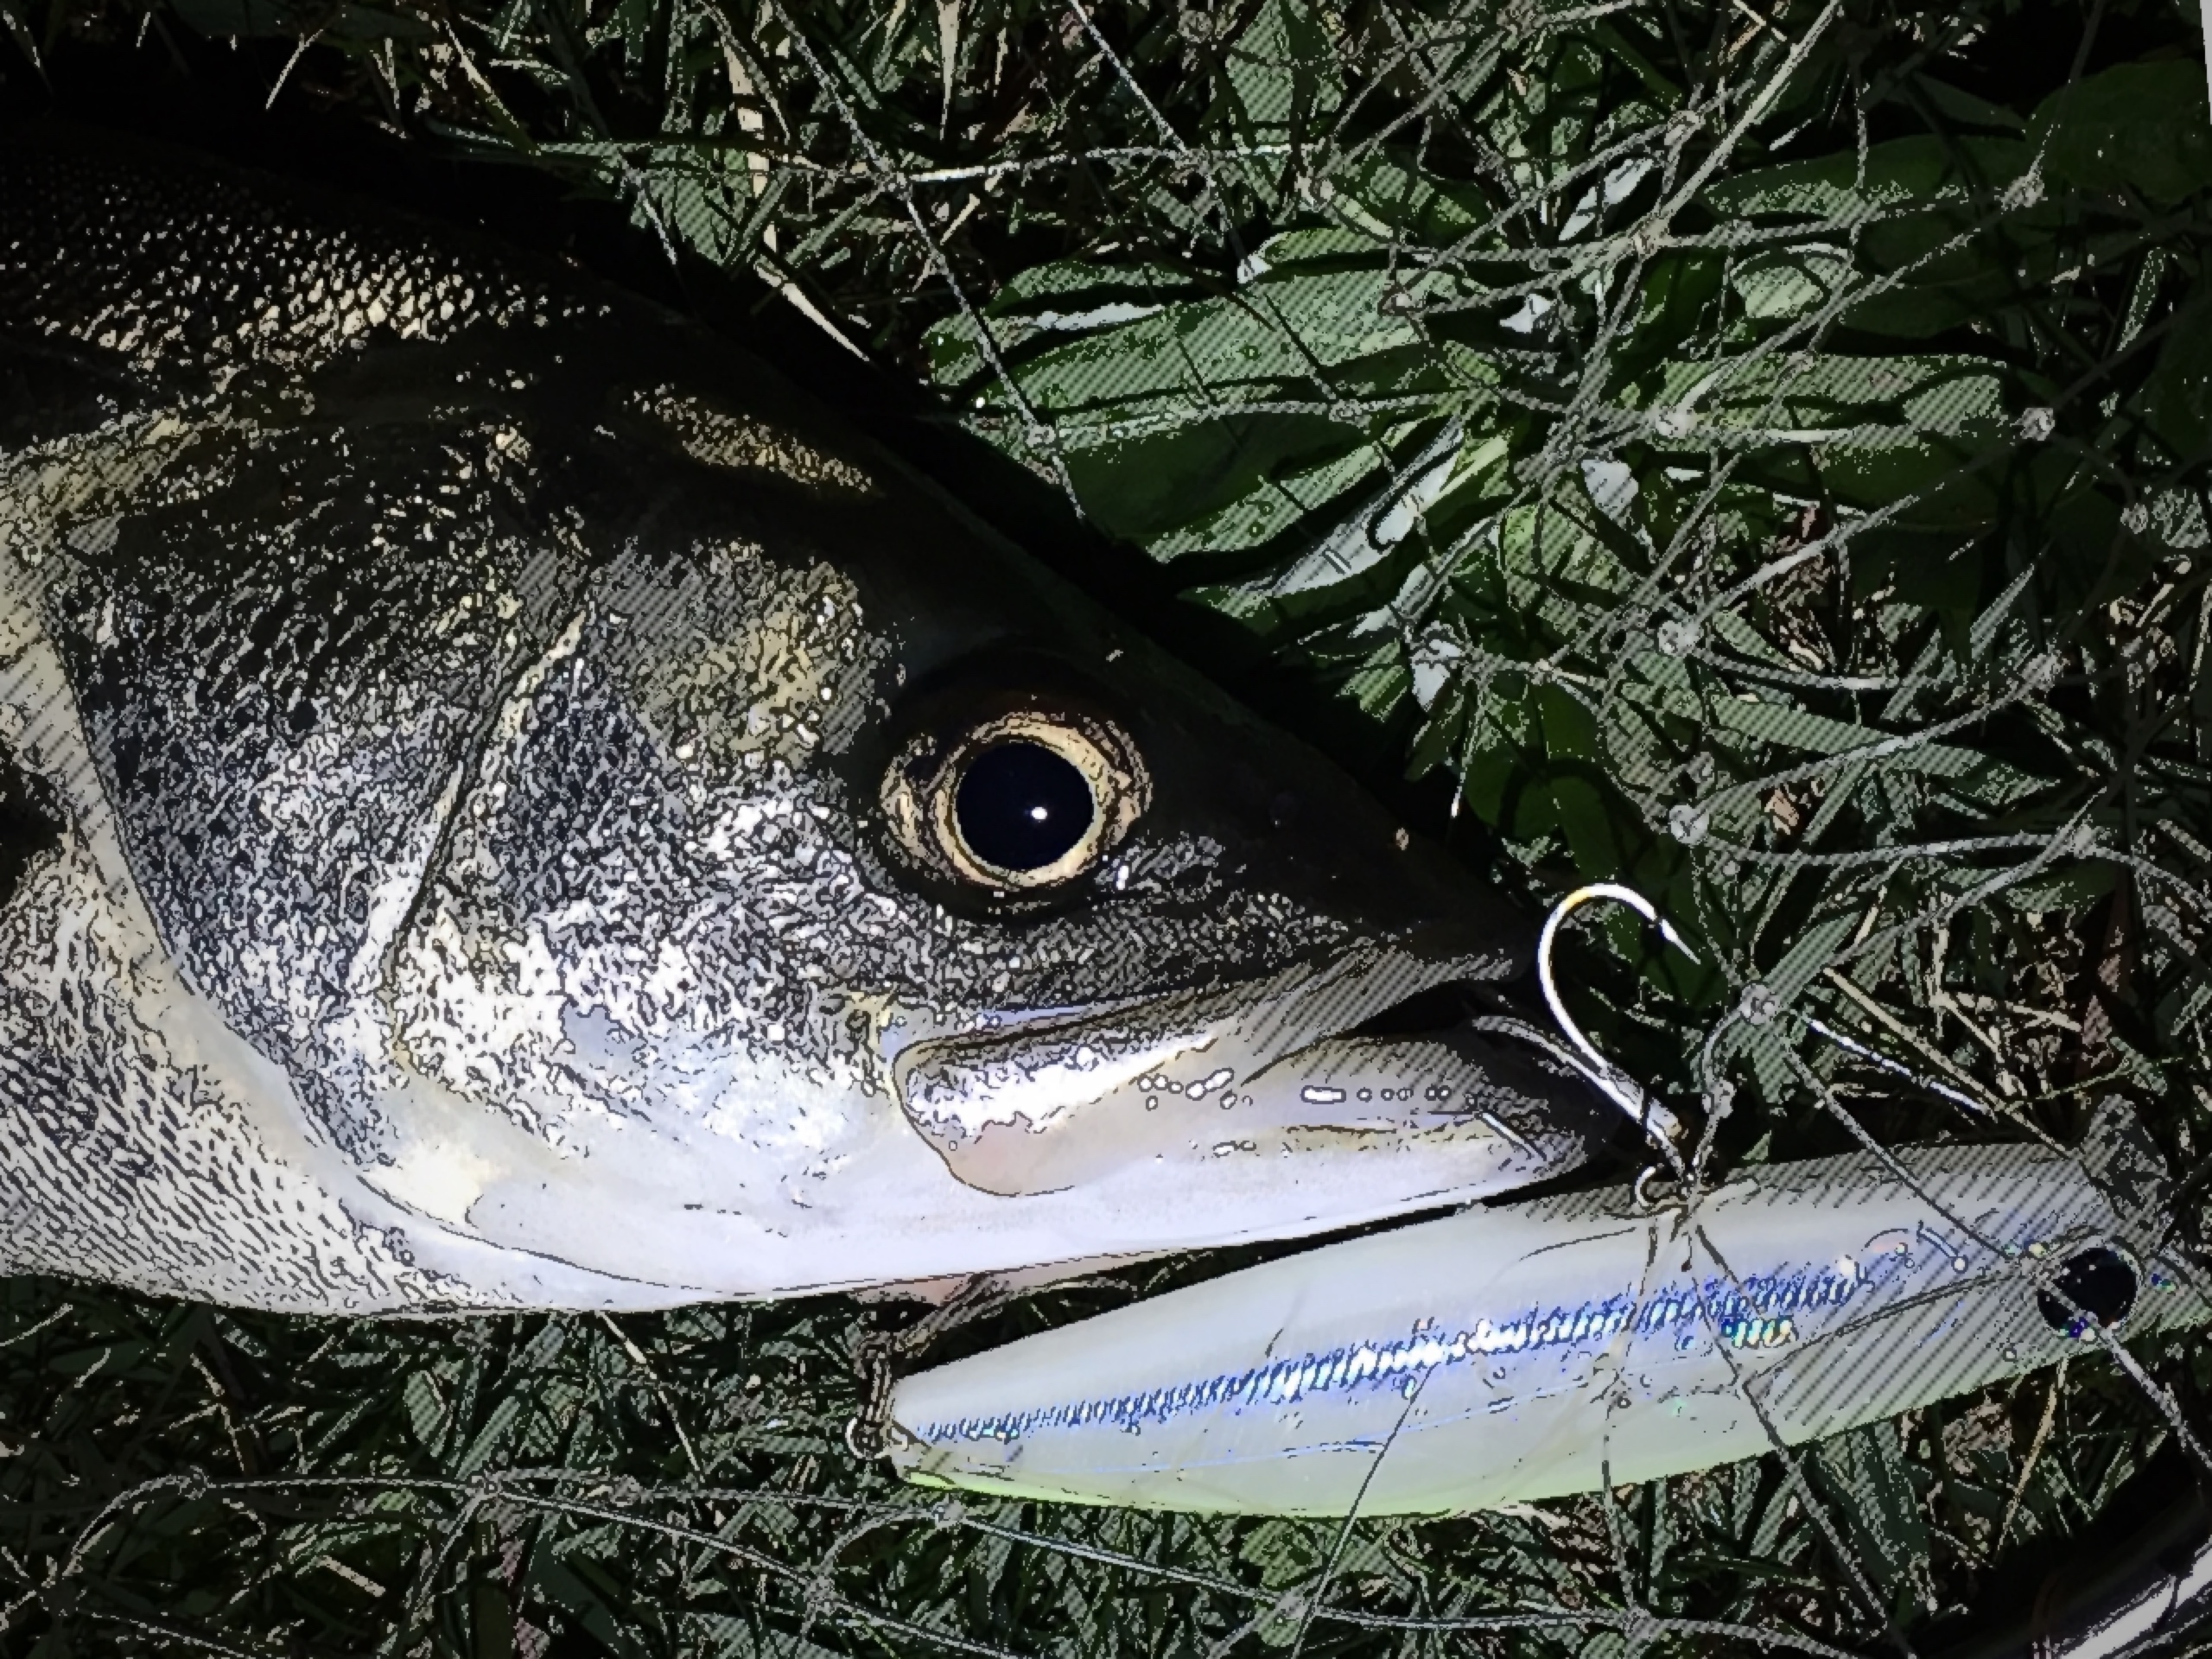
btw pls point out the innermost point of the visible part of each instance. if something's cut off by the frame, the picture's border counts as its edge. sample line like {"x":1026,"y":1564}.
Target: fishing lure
{"x":1523,"y":1351}
{"x":1535,"y":1350}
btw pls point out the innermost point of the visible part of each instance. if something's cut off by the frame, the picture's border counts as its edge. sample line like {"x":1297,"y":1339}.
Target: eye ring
{"x":922,"y":794}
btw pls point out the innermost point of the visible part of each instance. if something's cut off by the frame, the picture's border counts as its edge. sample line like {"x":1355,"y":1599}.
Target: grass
{"x":1809,"y":407}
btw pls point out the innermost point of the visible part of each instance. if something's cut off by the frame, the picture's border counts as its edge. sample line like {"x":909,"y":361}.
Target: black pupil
{"x":2099,"y":1282}
{"x":1021,"y":807}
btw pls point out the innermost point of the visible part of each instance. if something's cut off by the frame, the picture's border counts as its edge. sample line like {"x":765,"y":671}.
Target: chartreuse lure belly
{"x":1535,"y":1350}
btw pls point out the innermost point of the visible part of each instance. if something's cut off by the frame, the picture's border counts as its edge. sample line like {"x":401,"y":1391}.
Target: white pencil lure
{"x":1536,"y":1350}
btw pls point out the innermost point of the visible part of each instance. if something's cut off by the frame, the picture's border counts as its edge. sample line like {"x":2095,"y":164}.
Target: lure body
{"x":483,"y":765}
{"x":1536,"y":1350}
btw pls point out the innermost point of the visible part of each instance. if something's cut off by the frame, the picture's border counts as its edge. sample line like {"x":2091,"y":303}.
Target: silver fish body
{"x":488,"y":772}
{"x":1536,"y":1350}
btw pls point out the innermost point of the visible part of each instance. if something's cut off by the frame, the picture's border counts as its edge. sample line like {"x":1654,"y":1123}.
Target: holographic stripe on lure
{"x":1759,"y":1314}
{"x":1532,"y":1350}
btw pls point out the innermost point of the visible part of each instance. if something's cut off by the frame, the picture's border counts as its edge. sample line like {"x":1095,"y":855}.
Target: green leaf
{"x":1992,"y":783}
{"x":1392,"y":191}
{"x":1365,"y":535}
{"x":1875,"y":1505}
{"x":1847,"y":402}
{"x":2139,"y":126}
{"x":1963,"y":108}
{"x":1791,"y":281}
{"x":2178,"y":400}
{"x":1282,"y":79}
{"x":1251,"y":478}
{"x":1585,"y":810}
{"x":1902,"y":175}
{"x":1809,"y":952}
{"x":426,"y":1410}
{"x":1680,"y":286}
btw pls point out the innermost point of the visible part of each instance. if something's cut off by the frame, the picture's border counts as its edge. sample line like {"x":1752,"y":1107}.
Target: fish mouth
{"x":1369,"y":1052}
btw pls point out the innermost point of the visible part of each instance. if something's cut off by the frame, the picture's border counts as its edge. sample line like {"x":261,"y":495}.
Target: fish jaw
{"x":1267,"y":1069}
{"x":1546,"y":1349}
{"x":714,"y":1201}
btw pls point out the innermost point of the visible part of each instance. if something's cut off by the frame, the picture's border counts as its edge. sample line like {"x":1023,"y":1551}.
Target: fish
{"x":1520,"y":1351}
{"x":506,"y":803}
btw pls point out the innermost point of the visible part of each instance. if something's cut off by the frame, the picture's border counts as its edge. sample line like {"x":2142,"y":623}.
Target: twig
{"x":1898,"y":1029}
{"x":2035,"y":1453}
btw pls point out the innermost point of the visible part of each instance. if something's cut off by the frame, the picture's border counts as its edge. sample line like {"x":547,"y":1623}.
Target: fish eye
{"x":1020,"y":806}
{"x":1018,"y":801}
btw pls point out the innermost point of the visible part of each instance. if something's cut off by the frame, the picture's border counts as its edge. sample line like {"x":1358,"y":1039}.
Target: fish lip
{"x":1087,"y":1076}
{"x":1436,"y":1010}
{"x":1288,"y":990}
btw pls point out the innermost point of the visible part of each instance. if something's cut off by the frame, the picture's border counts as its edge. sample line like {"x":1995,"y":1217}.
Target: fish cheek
{"x":751,"y":659}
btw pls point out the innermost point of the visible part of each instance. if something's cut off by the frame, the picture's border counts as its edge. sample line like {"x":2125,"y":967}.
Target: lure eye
{"x":2099,"y":1280}
{"x":1021,"y":800}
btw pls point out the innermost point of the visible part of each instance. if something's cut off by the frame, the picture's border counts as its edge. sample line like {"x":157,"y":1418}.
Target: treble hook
{"x":1654,"y":1119}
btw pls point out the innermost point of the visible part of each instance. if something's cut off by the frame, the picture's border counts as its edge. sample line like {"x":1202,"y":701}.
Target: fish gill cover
{"x":1754,"y":450}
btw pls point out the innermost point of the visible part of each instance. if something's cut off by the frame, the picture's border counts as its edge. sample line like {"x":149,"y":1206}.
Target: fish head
{"x":634,"y":822}
{"x":944,"y":897}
